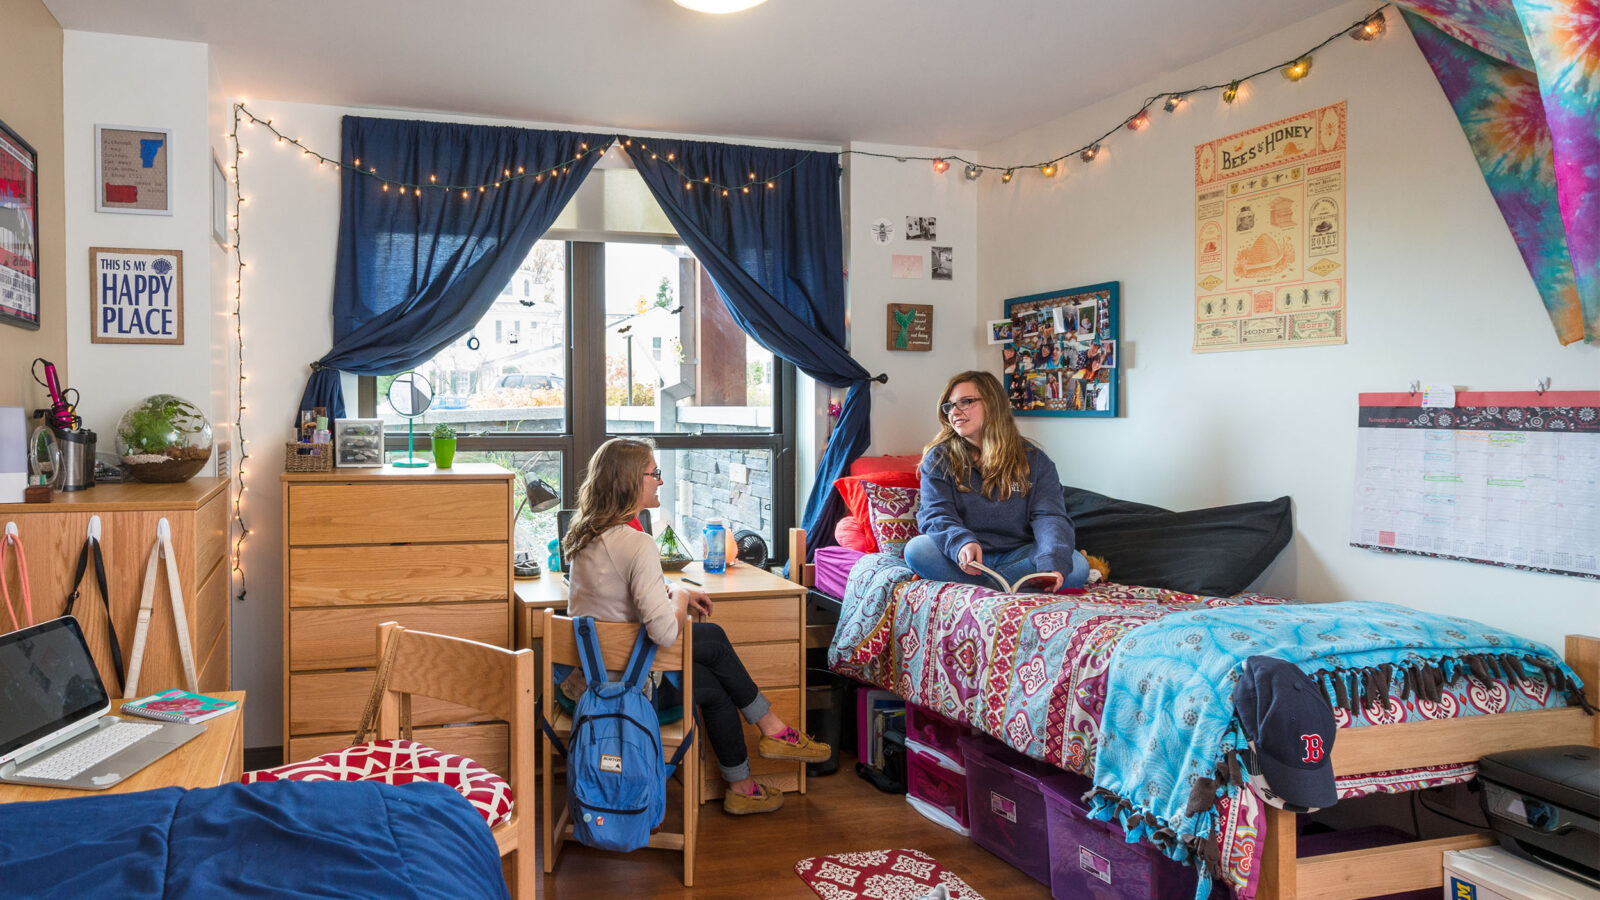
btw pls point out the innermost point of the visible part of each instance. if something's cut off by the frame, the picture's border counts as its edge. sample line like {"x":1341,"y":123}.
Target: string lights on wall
{"x":240,"y":529}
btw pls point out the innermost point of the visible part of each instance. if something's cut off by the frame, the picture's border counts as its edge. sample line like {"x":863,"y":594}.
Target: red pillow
{"x":855,"y":497}
{"x":867,"y":465}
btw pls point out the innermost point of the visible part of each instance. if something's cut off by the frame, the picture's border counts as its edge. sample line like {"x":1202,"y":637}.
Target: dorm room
{"x":1034,"y":192}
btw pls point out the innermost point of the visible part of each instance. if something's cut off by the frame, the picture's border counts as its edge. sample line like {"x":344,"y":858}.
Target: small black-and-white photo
{"x":922,"y":228}
{"x":943,"y":263}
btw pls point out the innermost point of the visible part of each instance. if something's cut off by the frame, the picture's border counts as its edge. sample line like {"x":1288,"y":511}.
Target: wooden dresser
{"x":197,"y":510}
{"x":428,"y":548}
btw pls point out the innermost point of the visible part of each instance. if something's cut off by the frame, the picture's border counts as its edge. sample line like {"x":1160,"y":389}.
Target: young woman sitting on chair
{"x":615,"y":576}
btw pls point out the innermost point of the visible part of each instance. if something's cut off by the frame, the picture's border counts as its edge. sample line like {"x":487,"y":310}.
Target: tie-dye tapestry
{"x":1524,"y":79}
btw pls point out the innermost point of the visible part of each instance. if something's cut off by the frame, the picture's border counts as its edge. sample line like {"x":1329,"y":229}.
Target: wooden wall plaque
{"x":910,"y":327}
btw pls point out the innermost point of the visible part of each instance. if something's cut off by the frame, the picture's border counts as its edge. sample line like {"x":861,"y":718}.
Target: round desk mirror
{"x":410,"y":395}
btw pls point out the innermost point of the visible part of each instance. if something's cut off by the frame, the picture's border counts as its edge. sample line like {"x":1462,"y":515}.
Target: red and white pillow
{"x":402,"y":762}
{"x":893,"y":515}
{"x":853,"y":489}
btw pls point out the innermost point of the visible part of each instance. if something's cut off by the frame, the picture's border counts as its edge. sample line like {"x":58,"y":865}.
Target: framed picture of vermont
{"x":1063,"y":358}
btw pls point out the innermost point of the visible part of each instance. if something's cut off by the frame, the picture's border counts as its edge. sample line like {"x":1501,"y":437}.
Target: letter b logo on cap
{"x":1313,"y":744}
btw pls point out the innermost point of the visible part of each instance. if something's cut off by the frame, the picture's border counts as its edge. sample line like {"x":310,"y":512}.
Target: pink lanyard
{"x":12,"y":539}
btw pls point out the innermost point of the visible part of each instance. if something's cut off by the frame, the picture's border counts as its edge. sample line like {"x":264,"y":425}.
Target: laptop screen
{"x":47,"y":682}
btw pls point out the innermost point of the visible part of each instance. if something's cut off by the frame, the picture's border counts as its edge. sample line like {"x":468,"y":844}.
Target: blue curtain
{"x":776,"y":255}
{"x":416,"y":271}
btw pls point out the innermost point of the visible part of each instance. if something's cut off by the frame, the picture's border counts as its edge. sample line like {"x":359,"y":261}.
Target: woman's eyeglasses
{"x":656,"y":474}
{"x":963,"y":404}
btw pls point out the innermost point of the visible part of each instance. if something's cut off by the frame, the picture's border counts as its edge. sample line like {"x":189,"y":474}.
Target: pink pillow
{"x":893,"y":515}
{"x":850,"y":533}
{"x":402,"y":762}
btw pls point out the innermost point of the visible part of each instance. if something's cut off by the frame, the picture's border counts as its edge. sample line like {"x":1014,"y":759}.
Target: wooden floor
{"x":754,"y":856}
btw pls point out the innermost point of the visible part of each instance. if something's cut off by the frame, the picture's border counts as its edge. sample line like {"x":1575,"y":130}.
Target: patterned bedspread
{"x":1032,"y":670}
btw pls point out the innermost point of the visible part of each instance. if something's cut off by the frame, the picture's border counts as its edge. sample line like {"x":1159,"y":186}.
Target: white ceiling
{"x":941,"y":73}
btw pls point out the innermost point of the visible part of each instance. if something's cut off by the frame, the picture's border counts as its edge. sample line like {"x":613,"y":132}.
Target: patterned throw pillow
{"x":402,"y":762}
{"x":893,"y":514}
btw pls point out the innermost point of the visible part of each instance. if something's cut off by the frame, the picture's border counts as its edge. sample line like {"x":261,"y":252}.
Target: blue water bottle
{"x":716,"y":561}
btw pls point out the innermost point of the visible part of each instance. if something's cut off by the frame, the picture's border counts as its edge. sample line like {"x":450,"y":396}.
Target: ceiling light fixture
{"x":718,"y":7}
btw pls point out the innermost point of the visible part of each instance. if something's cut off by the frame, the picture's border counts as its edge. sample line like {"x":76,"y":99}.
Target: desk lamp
{"x":538,"y":496}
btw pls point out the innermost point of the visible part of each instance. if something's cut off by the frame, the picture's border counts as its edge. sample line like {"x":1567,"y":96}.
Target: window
{"x":653,"y":352}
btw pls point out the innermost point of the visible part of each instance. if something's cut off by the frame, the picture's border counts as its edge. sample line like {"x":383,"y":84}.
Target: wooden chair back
{"x":490,"y":679}
{"x":616,"y":646}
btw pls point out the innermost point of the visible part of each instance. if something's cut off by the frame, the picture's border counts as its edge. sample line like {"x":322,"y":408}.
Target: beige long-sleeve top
{"x":617,"y":577}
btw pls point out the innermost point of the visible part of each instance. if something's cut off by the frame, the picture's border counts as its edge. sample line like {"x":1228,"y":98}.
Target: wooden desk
{"x":764,"y":616}
{"x":213,"y":758}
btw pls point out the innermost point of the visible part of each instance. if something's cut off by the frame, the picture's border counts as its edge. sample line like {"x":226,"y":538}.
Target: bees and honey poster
{"x":1270,"y":235}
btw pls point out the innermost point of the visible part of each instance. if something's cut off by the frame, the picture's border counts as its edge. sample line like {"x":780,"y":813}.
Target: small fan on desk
{"x":752,"y":548}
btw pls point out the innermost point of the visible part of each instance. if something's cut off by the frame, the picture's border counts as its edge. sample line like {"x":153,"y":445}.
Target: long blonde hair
{"x":1002,"y":453}
{"x":610,"y":493}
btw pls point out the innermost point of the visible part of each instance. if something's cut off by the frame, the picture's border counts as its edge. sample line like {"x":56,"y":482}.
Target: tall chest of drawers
{"x":428,"y":548}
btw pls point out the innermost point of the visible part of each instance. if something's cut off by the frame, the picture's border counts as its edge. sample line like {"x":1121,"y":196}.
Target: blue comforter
{"x":280,"y":839}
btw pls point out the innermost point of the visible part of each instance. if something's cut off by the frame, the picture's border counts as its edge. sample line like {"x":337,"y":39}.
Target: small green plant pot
{"x":444,"y":452}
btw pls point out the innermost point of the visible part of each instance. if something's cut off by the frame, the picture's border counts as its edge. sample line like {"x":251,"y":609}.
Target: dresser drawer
{"x":748,"y":621}
{"x":775,"y":665}
{"x":487,"y":745}
{"x":338,"y":638}
{"x":401,"y":573}
{"x":321,"y":514}
{"x":333,"y":701}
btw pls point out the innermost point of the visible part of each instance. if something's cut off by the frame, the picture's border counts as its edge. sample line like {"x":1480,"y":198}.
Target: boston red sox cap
{"x":1290,"y":727}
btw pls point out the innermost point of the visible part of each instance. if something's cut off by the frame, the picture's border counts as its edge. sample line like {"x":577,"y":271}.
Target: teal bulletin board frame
{"x":1064,"y":357}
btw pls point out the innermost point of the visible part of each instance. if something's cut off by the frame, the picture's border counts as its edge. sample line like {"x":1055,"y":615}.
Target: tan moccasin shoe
{"x":767,"y":800}
{"x":801,"y":749}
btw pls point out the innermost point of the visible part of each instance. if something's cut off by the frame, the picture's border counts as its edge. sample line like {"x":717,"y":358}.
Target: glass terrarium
{"x":163,"y":438}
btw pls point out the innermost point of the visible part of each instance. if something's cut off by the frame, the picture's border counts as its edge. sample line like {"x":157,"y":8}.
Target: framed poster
{"x":132,"y":170}
{"x":909,"y":327}
{"x":1063,"y":359}
{"x":135,"y":296}
{"x":19,"y":230}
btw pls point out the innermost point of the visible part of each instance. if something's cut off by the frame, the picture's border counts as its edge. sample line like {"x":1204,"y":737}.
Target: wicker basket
{"x":307,"y":457}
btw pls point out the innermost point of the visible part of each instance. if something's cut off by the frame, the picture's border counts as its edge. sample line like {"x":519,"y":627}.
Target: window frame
{"x":585,"y":421}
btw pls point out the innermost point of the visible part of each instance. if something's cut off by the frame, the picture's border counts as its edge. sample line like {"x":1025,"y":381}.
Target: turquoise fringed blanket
{"x":1161,"y":761}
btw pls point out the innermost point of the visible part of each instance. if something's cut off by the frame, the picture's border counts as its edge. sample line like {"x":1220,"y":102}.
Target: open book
{"x":1017,"y":587}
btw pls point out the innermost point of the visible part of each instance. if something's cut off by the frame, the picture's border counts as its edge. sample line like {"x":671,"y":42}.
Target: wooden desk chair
{"x":493,"y":680}
{"x":616,"y":645}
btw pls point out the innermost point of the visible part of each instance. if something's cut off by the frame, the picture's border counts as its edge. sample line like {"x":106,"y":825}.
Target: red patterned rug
{"x":881,"y":875}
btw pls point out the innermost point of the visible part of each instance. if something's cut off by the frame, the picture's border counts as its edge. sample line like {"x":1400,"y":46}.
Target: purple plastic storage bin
{"x":933,"y":782}
{"x":1091,"y":860}
{"x":935,"y":731}
{"x":1005,"y":803}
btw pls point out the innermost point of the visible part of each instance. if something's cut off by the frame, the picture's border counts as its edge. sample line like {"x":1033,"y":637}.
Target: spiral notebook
{"x":178,"y":706}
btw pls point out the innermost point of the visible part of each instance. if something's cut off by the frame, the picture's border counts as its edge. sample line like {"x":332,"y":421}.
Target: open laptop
{"x":54,"y":727}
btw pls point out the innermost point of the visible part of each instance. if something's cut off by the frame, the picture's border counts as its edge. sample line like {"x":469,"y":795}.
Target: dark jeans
{"x":724,"y":691}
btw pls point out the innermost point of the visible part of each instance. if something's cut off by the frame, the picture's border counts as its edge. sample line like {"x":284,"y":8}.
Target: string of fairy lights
{"x":1368,"y":28}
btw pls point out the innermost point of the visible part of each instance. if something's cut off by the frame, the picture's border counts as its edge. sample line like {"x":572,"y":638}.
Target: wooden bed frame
{"x":1379,"y":748}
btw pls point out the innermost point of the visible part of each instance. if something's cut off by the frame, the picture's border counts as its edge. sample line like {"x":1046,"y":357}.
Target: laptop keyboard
{"x":65,"y":764}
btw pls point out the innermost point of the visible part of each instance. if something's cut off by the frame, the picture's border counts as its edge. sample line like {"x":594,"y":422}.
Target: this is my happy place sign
{"x":136,"y":296}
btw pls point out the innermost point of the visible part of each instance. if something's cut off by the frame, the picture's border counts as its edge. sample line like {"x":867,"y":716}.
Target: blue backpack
{"x":616,"y":777}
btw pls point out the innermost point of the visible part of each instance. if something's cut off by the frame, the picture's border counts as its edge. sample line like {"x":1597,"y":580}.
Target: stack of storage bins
{"x":936,"y":774}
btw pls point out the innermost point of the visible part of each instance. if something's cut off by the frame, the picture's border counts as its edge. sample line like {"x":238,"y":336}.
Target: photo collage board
{"x":1060,"y":353}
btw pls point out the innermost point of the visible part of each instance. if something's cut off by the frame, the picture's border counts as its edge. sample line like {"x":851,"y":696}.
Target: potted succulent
{"x":163,"y":438}
{"x":444,"y":445}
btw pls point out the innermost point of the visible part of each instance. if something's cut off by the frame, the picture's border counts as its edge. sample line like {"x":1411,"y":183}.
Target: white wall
{"x":130,"y":81}
{"x":1437,"y":292}
{"x":903,"y":416}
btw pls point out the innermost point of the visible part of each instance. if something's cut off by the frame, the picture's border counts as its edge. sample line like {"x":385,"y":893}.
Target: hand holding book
{"x":1036,"y":582}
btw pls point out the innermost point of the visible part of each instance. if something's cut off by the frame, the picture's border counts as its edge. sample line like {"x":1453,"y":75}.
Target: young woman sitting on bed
{"x":615,"y":576}
{"x":988,"y":496}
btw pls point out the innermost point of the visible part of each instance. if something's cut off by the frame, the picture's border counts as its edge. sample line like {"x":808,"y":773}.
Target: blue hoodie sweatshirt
{"x":1039,"y":516}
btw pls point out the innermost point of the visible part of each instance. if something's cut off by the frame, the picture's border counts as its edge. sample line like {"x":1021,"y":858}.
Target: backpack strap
{"x":594,"y":666}
{"x":644,"y":653}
